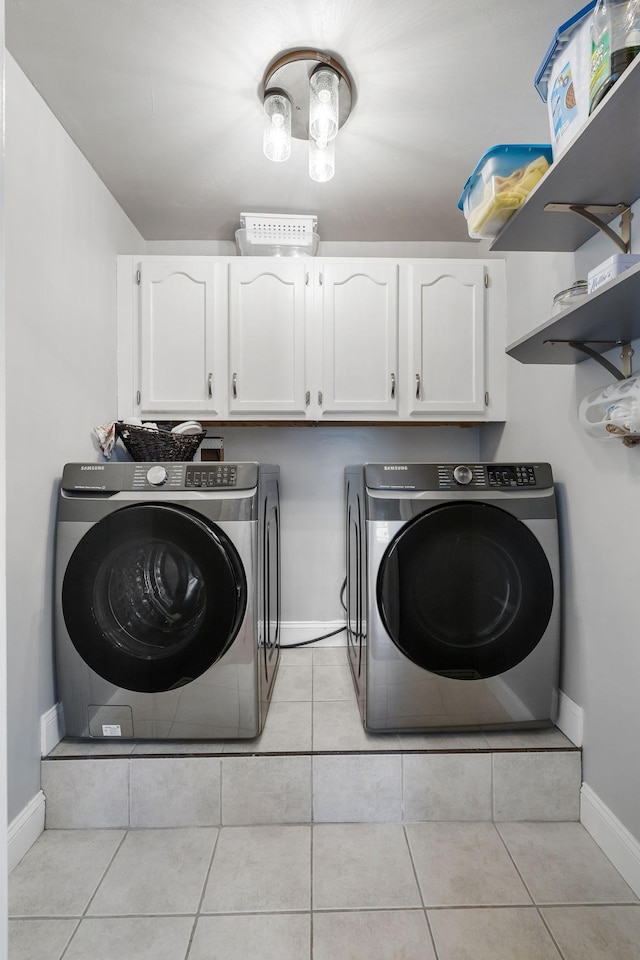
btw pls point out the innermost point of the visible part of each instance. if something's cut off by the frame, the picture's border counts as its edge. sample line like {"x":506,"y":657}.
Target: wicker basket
{"x":146,"y":445}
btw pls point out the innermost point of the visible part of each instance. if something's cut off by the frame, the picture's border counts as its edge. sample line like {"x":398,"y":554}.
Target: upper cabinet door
{"x":178,"y":358}
{"x":359,"y":329}
{"x":267,"y":332}
{"x":446,"y":336}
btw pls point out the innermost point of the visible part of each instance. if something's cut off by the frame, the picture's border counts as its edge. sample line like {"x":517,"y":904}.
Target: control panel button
{"x":157,"y":476}
{"x":463,"y":475}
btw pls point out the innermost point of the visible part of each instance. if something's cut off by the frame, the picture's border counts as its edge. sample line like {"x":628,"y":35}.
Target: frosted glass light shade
{"x":322,"y":160}
{"x":323,"y":104}
{"x":277,"y":127}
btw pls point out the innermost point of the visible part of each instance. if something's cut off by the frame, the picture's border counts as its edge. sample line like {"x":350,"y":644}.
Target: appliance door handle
{"x":418,"y":385}
{"x":234,"y":386}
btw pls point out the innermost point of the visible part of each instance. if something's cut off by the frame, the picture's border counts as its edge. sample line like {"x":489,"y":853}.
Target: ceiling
{"x":162,"y":97}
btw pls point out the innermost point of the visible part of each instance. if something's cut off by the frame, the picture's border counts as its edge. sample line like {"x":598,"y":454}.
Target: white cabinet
{"x":333,"y":339}
{"x":357,"y":321}
{"x":443,"y":301}
{"x":176,"y":344}
{"x":267,"y":336}
{"x":317,"y":339}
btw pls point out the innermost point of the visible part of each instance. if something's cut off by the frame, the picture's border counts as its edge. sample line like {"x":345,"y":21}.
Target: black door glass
{"x":152,"y":596}
{"x":465,"y":590}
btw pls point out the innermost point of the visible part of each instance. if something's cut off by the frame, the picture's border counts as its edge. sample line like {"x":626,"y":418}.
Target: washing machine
{"x":453,"y":595}
{"x":167,"y":599}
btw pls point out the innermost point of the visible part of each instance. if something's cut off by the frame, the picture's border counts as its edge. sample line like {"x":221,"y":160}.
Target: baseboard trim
{"x":25,"y":829}
{"x":612,"y":836}
{"x":570,"y":718}
{"x":297,"y":631}
{"x":51,"y":729}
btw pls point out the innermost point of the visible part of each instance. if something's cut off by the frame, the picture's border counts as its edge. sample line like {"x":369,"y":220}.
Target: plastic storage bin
{"x":563,"y":79}
{"x":499,"y":185}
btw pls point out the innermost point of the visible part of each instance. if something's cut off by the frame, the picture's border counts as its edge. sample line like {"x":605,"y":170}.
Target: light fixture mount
{"x":290,"y":73}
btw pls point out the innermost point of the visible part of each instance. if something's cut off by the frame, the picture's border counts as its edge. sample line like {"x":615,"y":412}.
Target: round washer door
{"x":152,"y":596}
{"x":465,"y":591}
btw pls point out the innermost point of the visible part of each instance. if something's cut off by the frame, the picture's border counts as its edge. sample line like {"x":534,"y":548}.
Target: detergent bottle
{"x":615,"y":41}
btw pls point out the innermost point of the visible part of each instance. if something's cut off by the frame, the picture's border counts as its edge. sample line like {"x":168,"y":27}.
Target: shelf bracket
{"x":590,"y":211}
{"x":626,"y":354}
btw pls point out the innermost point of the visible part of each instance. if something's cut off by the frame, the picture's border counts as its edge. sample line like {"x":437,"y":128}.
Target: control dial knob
{"x":157,"y":476}
{"x":463,"y":475}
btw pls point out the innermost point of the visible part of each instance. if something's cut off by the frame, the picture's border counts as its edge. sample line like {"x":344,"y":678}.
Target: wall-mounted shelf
{"x":601,"y":166}
{"x":610,"y":315}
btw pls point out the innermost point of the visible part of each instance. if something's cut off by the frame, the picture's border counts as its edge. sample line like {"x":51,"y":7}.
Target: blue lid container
{"x":563,"y":36}
{"x":500,"y":184}
{"x":501,"y":161}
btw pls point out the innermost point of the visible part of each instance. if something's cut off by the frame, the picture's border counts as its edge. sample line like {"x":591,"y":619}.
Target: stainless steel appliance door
{"x":152,"y":596}
{"x":465,"y":590}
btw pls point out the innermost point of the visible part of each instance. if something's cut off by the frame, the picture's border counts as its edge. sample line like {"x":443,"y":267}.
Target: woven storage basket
{"x":146,"y":445}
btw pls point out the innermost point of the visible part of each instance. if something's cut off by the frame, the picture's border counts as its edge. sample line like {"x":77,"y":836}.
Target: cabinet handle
{"x":210,"y":385}
{"x":417,"y":386}
{"x":307,"y":397}
{"x":393,"y":386}
{"x":319,"y":398}
{"x":235,"y":386}
{"x":138,"y":397}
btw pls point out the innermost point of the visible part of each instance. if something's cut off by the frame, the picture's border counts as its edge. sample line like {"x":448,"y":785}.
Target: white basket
{"x":273,"y":234}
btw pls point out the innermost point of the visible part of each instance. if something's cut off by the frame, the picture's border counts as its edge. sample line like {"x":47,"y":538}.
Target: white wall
{"x":63,"y":231}
{"x":312,"y":462}
{"x":599,"y":485}
{"x":3,"y":541}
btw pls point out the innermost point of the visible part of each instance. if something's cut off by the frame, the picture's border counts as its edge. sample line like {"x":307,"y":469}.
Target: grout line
{"x":311,"y":853}
{"x":424,"y":908}
{"x":68,"y":943}
{"x":517,"y":869}
{"x":549,"y":931}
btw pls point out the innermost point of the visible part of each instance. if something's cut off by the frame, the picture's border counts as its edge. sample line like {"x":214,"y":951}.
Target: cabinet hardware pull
{"x":307,"y":397}
{"x":319,"y":398}
{"x":393,"y":386}
{"x":138,"y":397}
{"x":417,"y":386}
{"x":210,"y":385}
{"x":235,"y":386}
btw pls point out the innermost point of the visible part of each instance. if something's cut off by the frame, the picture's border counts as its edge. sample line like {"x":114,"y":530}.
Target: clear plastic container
{"x":613,"y":411}
{"x":500,"y":184}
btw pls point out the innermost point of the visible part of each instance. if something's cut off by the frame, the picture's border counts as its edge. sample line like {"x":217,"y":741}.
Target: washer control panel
{"x":211,"y":476}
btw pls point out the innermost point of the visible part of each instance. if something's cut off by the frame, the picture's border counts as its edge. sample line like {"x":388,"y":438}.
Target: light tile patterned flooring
{"x":350,"y":891}
{"x":324,"y":891}
{"x":314,"y":710}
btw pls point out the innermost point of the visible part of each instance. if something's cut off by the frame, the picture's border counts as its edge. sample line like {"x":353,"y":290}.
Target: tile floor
{"x":314,"y":710}
{"x":348,"y":891}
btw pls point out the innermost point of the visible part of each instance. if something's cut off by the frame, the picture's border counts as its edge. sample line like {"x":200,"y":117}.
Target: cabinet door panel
{"x":267,"y":319}
{"x":177,"y":311}
{"x":359,"y":336}
{"x":446,"y":340}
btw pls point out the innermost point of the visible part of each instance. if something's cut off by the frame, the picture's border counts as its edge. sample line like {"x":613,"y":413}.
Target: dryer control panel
{"x":457,"y":476}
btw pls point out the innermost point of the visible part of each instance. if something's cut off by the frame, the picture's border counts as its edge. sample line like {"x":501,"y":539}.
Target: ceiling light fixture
{"x":307,"y":95}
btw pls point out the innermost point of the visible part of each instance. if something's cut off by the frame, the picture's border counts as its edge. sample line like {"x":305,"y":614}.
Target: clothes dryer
{"x":167,"y":599}
{"x":453,"y":594}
